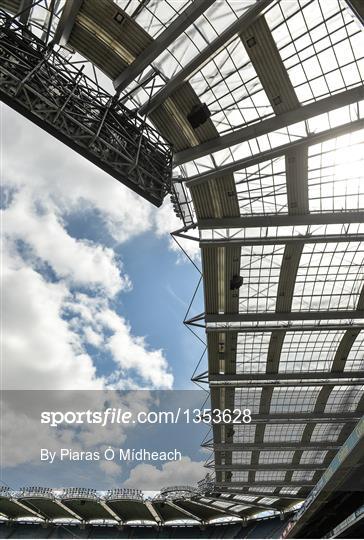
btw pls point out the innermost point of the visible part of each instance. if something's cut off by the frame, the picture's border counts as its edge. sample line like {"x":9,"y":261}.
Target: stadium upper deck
{"x":262,"y":103}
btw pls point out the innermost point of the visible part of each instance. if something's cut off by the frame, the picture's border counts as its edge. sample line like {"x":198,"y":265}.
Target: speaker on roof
{"x":236,"y":282}
{"x":198,"y":115}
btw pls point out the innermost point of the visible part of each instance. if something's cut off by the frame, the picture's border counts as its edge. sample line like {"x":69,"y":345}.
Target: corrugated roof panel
{"x":107,"y":36}
{"x":267,"y":62}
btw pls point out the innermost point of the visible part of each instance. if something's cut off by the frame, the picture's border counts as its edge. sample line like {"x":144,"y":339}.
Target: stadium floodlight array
{"x":80,"y":493}
{"x":5,"y":491}
{"x":177,"y":492}
{"x":36,"y":491}
{"x":131,"y":494}
{"x":182,"y":202}
{"x":207,"y":484}
{"x":54,"y":93}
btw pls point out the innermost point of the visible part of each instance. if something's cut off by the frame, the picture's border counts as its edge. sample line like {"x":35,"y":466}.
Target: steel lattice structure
{"x":271,"y":186}
{"x":54,"y":93}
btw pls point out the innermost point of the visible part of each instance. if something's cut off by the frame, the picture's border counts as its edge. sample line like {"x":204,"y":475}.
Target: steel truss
{"x":53,"y":92}
{"x":271,"y":124}
{"x":237,"y":447}
{"x":287,"y":327}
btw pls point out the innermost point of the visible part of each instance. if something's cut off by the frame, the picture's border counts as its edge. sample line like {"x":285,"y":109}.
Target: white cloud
{"x":39,"y":349}
{"x":52,"y":171}
{"x":44,"y":348}
{"x":172,"y":473}
{"x":80,"y":262}
{"x":74,"y":184}
{"x":110,"y":468}
{"x":166,"y":222}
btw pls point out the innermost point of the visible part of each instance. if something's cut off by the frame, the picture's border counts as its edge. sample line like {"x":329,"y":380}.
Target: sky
{"x":94,"y":288}
{"x":94,"y":285}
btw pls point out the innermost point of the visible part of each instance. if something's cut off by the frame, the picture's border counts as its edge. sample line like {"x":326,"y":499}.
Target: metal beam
{"x":66,"y":509}
{"x":297,"y":376}
{"x":27,"y":508}
{"x":357,"y":7}
{"x":25,"y":9}
{"x":273,"y":446}
{"x":66,"y":22}
{"x":285,"y":328}
{"x":275,"y":384}
{"x":265,"y":484}
{"x":277,"y":220}
{"x":274,"y":152}
{"x":110,"y":511}
{"x":271,"y":124}
{"x":291,"y":316}
{"x":154,"y":513}
{"x":163,"y":41}
{"x":217,"y":508}
{"x":248,"y":503}
{"x":204,"y":57}
{"x":270,"y":467}
{"x":256,"y":493}
{"x":183,"y":511}
{"x":300,"y":418}
{"x":275,"y":240}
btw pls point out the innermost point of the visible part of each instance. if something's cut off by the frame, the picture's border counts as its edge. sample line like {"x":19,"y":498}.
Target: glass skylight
{"x":260,"y":270}
{"x":336,"y":174}
{"x":329,"y":276}
{"x":230,"y":87}
{"x":261,"y":188}
{"x":294,"y":399}
{"x":321,"y":45}
{"x":309,"y":351}
{"x":251,"y":352}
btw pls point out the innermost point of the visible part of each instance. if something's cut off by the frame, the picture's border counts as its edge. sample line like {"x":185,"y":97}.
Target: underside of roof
{"x":263,"y":104}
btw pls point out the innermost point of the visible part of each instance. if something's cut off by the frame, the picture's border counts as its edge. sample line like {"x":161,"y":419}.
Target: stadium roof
{"x":175,"y":504}
{"x":273,"y":169}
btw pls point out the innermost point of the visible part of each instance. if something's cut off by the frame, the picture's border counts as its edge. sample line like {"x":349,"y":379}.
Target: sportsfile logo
{"x":120,"y":416}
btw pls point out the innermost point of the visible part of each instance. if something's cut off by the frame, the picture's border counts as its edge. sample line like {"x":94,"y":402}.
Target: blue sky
{"x":95,"y":292}
{"x":68,"y":224}
{"x":163,"y":284}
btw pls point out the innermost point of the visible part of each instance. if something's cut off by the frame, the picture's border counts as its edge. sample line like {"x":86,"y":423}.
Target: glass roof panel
{"x":247,"y":398}
{"x":243,"y":458}
{"x":321,"y":45}
{"x":330,"y":276}
{"x":294,"y":399}
{"x":268,"y":500}
{"x":284,"y":456}
{"x":260,"y":269}
{"x":244,"y":433}
{"x":313,"y":456}
{"x":270,"y":476}
{"x":240,"y":476}
{"x":262,"y":189}
{"x":326,"y":432}
{"x":283,"y":432}
{"x":305,"y":476}
{"x":344,"y":399}
{"x":336,"y":174}
{"x":262,"y":489}
{"x":289,"y":491}
{"x":309,"y":351}
{"x":355,"y":360}
{"x":231,"y":89}
{"x":251,"y":352}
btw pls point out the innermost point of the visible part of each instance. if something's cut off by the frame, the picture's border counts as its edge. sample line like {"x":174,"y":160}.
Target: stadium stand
{"x":262,"y":115}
